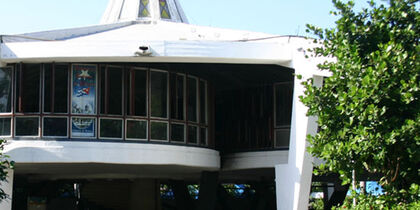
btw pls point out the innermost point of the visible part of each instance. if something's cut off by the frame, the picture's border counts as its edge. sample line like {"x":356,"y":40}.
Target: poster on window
{"x":83,"y":127}
{"x":84,"y":89}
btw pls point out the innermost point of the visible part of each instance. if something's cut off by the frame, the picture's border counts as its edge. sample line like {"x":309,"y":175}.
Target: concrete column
{"x":145,"y":195}
{"x":208,"y":190}
{"x":7,"y":187}
{"x":293,"y":180}
{"x":182,"y":197}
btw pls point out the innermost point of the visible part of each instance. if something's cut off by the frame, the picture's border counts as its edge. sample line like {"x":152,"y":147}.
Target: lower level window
{"x":83,"y":127}
{"x":177,"y":132}
{"x":282,"y":137}
{"x":136,"y":129}
{"x":203,"y":136}
{"x":193,"y":134}
{"x":5,"y":126}
{"x":55,"y":127}
{"x":111,"y":128}
{"x":159,"y":131}
{"x":27,"y":126}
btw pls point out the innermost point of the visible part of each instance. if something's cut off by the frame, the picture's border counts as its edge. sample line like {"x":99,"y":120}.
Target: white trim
{"x":135,"y":139}
{"x":26,"y":116}
{"x":110,"y":118}
{"x":62,"y":117}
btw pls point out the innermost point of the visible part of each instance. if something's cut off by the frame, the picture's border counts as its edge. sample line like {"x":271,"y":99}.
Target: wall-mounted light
{"x":145,"y":50}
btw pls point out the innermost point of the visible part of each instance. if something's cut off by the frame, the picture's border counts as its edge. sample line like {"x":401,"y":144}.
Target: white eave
{"x":167,"y":41}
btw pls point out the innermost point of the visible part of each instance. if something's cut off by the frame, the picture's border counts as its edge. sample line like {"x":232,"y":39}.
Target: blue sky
{"x":283,"y":17}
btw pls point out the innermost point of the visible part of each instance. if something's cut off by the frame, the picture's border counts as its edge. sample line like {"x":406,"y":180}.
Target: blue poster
{"x":83,"y":99}
{"x":83,"y":127}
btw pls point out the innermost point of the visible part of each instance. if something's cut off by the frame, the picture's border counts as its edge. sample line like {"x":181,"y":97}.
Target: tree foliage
{"x":5,"y":164}
{"x":369,"y":108}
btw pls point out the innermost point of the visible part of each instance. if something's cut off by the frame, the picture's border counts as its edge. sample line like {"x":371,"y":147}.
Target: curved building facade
{"x":137,"y":111}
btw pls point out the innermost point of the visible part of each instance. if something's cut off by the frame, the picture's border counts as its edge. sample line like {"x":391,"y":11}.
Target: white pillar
{"x":7,"y":187}
{"x":293,"y":180}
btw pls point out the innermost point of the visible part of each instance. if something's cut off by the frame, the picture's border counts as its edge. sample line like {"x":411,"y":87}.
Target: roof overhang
{"x":158,"y":51}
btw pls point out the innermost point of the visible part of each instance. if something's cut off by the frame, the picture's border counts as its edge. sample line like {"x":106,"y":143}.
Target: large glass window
{"x":159,"y":131}
{"x":203,"y":101}
{"x":136,"y":129}
{"x":5,"y":90}
{"x":111,"y":90}
{"x":5,"y":126}
{"x":92,"y":101}
{"x":56,"y":88}
{"x":283,"y":113}
{"x":111,"y":128}
{"x":177,"y":96}
{"x":177,"y":132}
{"x":55,"y":127}
{"x":137,"y":92}
{"x":144,"y":8}
{"x":28,"y":88}
{"x":192,"y":99}
{"x":159,"y":94}
{"x":27,"y":126}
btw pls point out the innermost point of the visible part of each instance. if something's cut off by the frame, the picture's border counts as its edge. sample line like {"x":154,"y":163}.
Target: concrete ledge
{"x":111,"y":153}
{"x":251,"y":160}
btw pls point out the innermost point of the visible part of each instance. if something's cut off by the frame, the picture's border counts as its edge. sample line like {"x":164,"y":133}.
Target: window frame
{"x":130,"y":85}
{"x":150,"y":95}
{"x":55,"y":137}
{"x":281,"y":127}
{"x":136,"y":139}
{"x":197,"y":100}
{"x":167,"y":131}
{"x":40,"y":92}
{"x":110,"y":118}
{"x":11,"y":126}
{"x":69,"y":80}
{"x":99,"y":95}
{"x":12,"y":93}
{"x":27,"y":116}
{"x":185,"y":133}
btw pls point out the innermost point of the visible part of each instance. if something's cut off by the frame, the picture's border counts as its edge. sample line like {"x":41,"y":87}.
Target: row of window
{"x":109,"y":128}
{"x":128,"y":103}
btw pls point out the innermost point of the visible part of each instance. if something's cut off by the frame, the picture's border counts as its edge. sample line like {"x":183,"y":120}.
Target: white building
{"x":116,"y":110}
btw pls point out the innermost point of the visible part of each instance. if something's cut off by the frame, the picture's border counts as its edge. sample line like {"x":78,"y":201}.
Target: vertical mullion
{"x":106,"y":95}
{"x":13,"y":108}
{"x":133,"y":91}
{"x":20,"y":103}
{"x":52,"y":87}
{"x":69,"y":91}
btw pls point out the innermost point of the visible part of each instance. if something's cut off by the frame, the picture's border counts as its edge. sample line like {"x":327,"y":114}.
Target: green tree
{"x":5,"y":164}
{"x":369,"y":108}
